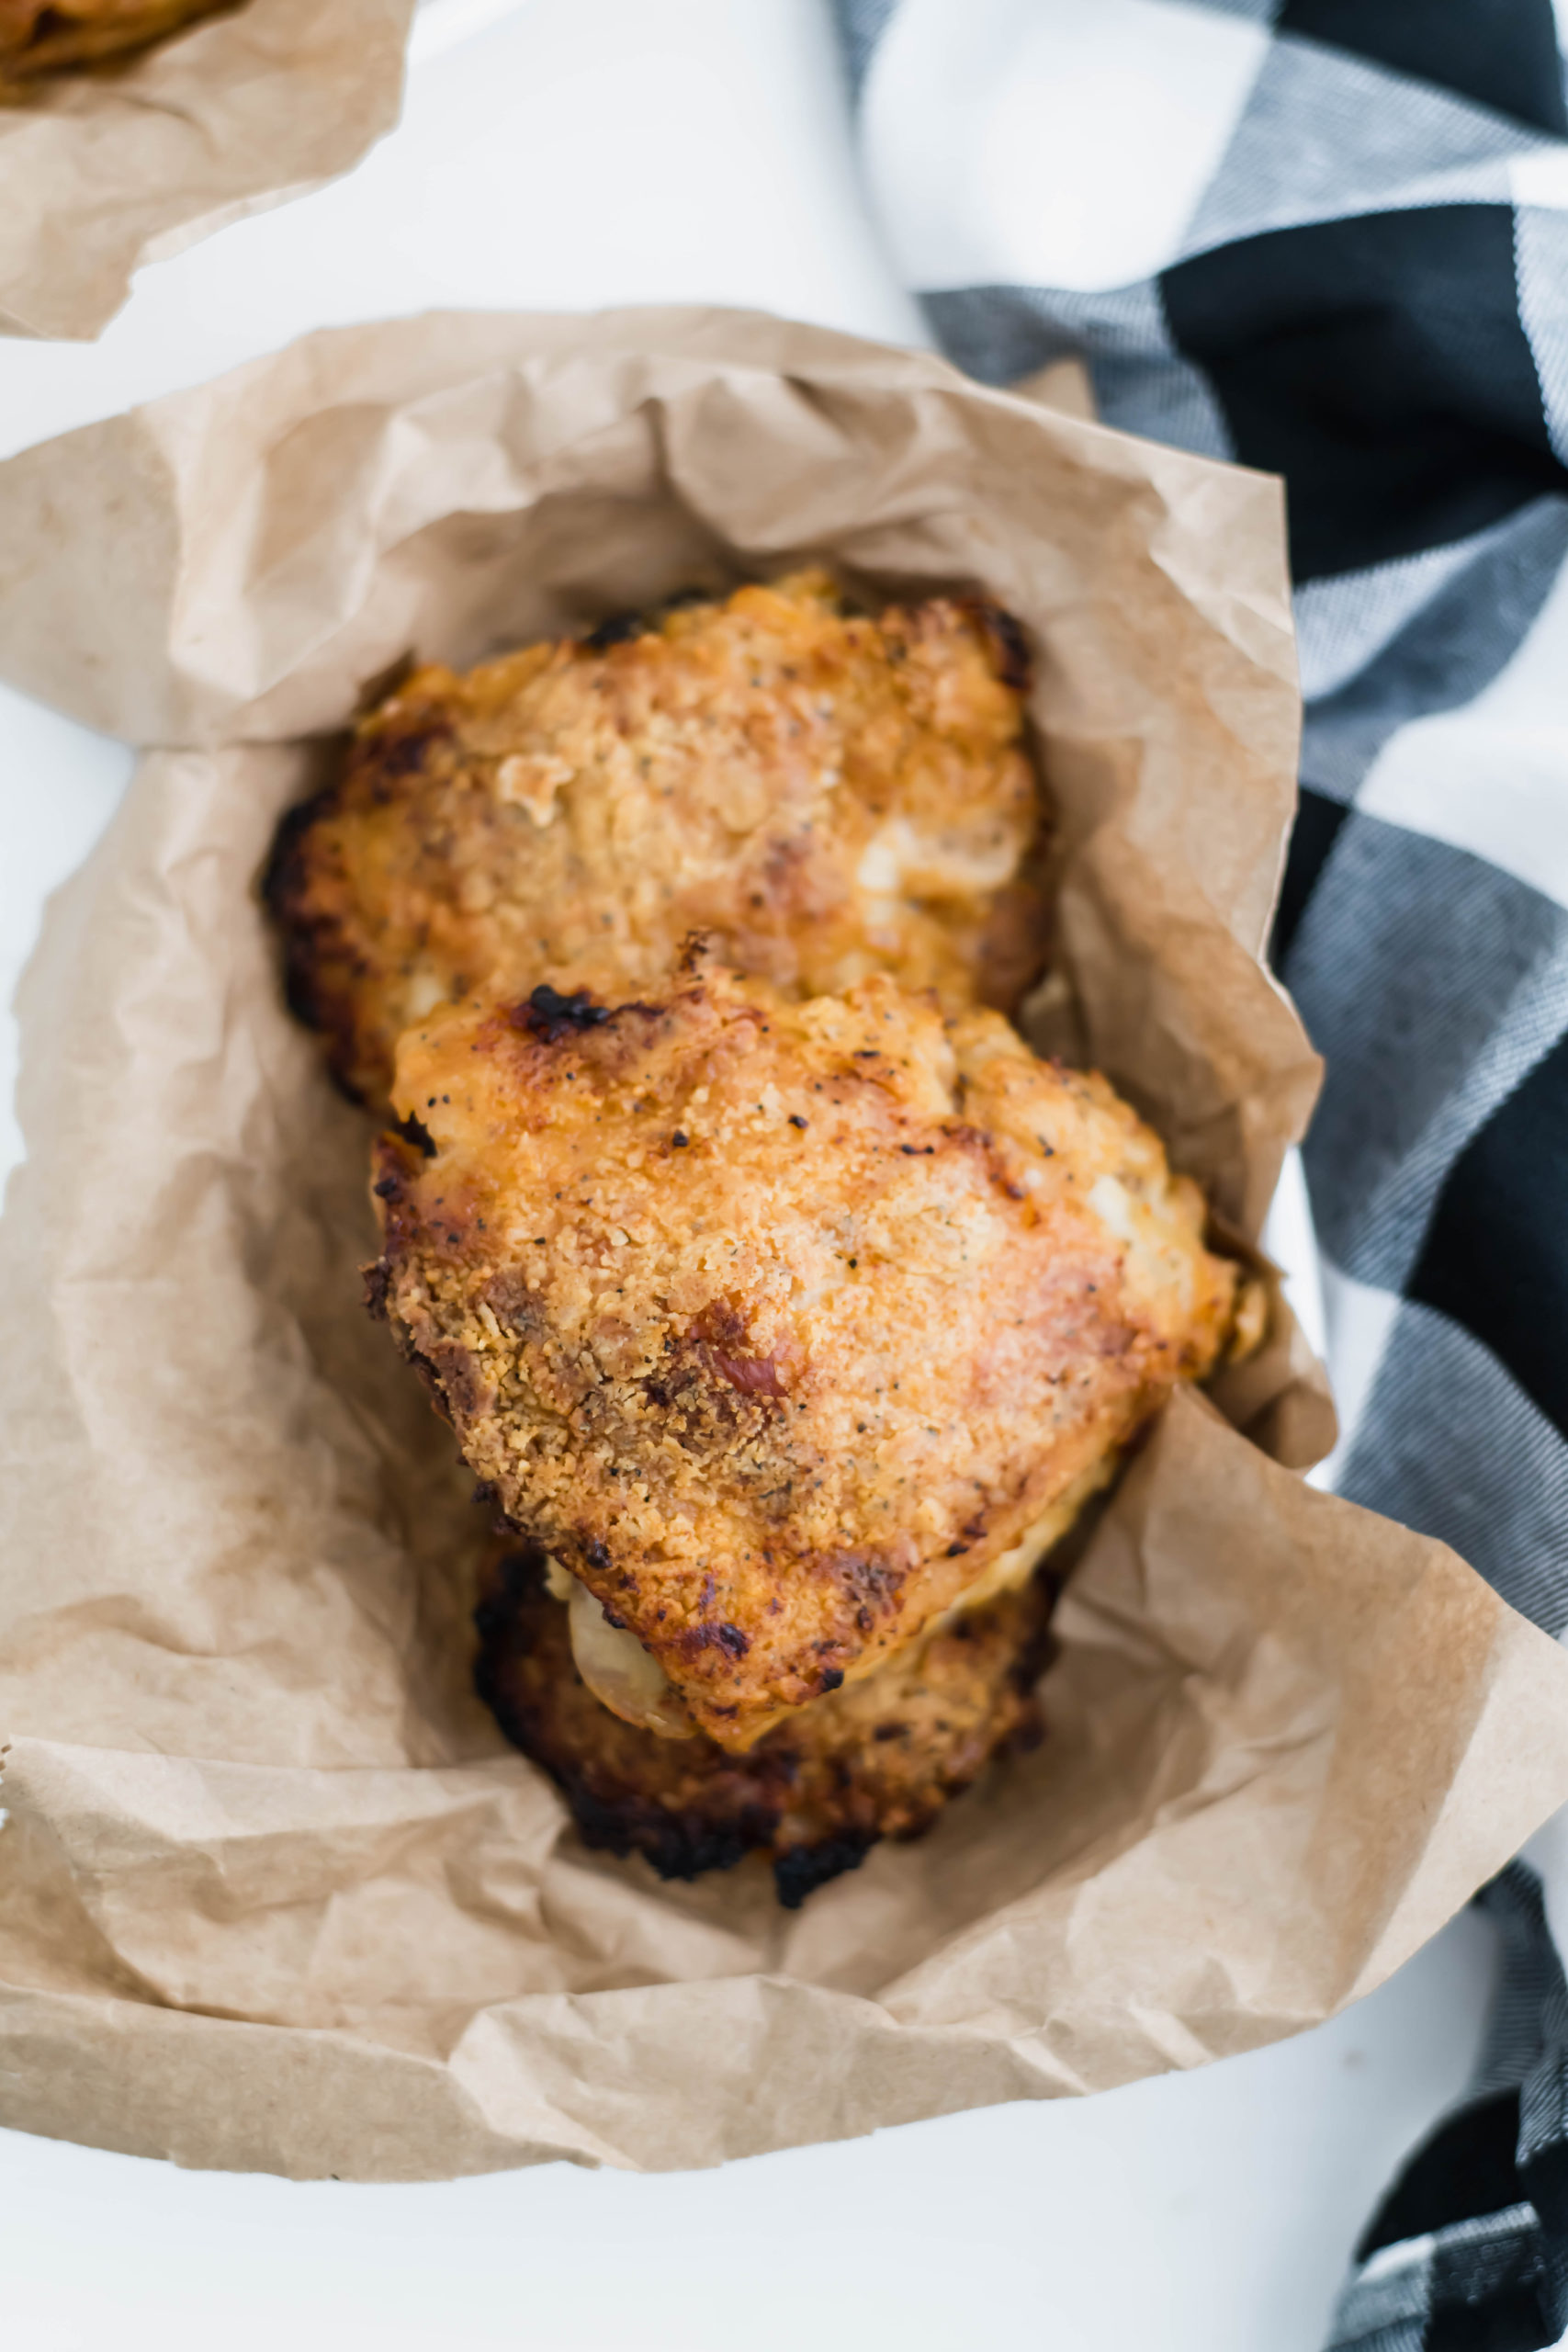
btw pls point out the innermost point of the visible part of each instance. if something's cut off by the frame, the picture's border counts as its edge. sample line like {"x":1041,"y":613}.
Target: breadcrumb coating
{"x":831,"y":794}
{"x":880,"y":1758}
{"x":779,"y":1323}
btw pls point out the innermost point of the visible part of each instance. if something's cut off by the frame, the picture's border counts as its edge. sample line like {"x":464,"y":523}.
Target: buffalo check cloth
{"x":1330,"y":238}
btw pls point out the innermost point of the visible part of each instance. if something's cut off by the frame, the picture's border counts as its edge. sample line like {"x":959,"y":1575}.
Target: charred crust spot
{"x":678,"y":1141}
{"x":1010,"y":651}
{"x":549,"y":1016}
{"x":400,"y":749}
{"x":433,"y":1383}
{"x":327,"y":963}
{"x":617,"y":628}
{"x":596,"y":1553}
{"x":377,"y":1279}
{"x":727,"y":1638}
{"x":395,"y":1169}
{"x":801,"y":1870}
{"x":286,"y":876}
{"x":832,"y":1678}
{"x":678,"y":1846}
{"x":414,"y":1131}
{"x":797,"y":1121}
{"x":313,"y":946}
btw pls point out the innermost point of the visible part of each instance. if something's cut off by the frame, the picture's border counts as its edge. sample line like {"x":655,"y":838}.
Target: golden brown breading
{"x":39,"y":37}
{"x":878,"y":1760}
{"x":778,"y":1323}
{"x":831,"y":795}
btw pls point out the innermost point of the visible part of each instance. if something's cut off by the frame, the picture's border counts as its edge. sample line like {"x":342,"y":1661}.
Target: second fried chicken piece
{"x":880,"y":1758}
{"x":778,"y":1324}
{"x":832,"y":794}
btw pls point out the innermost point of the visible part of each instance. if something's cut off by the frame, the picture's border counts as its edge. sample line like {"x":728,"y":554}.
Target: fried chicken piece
{"x":778,"y":1324}
{"x":40,"y":36}
{"x":878,"y":1760}
{"x":831,"y":795}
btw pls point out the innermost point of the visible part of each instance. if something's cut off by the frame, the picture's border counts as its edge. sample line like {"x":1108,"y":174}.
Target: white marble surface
{"x":566,"y":154}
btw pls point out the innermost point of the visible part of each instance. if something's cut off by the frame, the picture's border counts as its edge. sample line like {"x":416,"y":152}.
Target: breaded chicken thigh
{"x":832,"y":794}
{"x":780,"y":1324}
{"x":880,"y":1758}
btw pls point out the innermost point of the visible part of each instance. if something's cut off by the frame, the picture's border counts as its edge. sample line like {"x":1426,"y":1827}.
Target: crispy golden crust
{"x":831,"y":795}
{"x":878,"y":1760}
{"x":41,"y":37}
{"x":778,"y":1323}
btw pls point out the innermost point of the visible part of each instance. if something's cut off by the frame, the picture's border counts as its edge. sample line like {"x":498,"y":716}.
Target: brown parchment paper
{"x":103,"y":171}
{"x":273,"y":1892}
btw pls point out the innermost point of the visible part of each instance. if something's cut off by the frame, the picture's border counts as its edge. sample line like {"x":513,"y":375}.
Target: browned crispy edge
{"x":311,"y":944}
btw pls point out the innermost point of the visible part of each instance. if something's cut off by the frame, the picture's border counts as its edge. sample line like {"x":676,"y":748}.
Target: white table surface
{"x":568,"y":154}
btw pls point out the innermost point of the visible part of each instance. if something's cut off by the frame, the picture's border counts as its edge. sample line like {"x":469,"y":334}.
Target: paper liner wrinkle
{"x":274,"y":1894}
{"x":103,"y":171}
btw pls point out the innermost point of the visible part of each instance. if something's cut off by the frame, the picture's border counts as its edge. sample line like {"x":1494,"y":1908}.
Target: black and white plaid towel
{"x":1330,"y":238}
